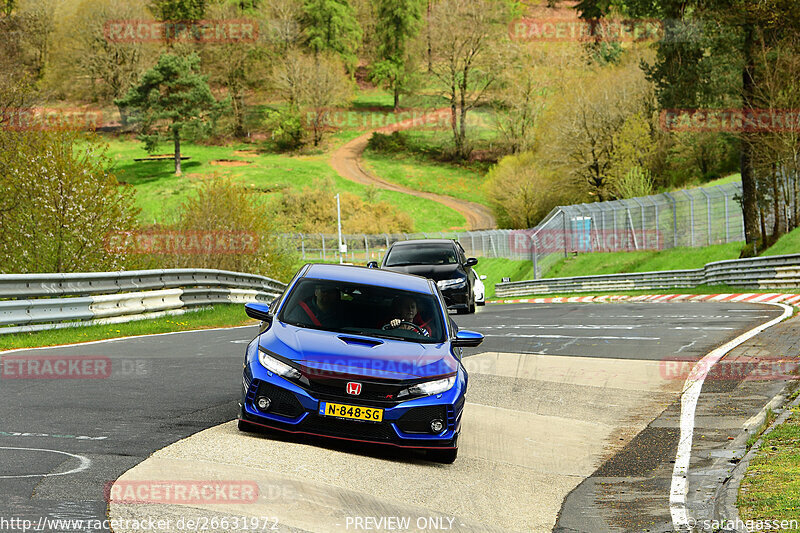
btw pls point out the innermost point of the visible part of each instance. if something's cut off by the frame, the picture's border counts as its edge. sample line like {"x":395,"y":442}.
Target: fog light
{"x":437,"y":426}
{"x":262,"y":402}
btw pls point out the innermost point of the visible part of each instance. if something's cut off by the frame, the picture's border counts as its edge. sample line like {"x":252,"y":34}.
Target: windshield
{"x":423,"y":254}
{"x":364,"y":310}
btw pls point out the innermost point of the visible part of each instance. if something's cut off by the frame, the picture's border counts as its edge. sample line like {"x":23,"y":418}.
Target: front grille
{"x":284,"y":402}
{"x":352,"y":429}
{"x":418,"y":419}
{"x":383,"y":393}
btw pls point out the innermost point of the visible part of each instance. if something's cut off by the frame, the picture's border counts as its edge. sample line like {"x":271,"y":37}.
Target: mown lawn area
{"x":159,"y":192}
{"x":642,"y":261}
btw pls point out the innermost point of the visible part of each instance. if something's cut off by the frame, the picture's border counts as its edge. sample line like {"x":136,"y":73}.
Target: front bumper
{"x":456,"y":298}
{"x":405,"y":424}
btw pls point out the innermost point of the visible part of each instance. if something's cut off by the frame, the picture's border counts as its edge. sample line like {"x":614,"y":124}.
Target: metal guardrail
{"x":33,"y":302}
{"x":776,"y":272}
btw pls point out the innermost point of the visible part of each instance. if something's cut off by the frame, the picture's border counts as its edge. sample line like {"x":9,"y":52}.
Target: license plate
{"x":353,"y":412}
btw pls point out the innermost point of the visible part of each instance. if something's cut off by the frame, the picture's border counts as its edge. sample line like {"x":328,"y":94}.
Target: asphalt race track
{"x":555,"y":389}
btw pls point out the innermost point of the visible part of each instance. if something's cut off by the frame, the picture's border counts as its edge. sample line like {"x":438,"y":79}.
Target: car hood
{"x":324,"y":352}
{"x":434,"y":272}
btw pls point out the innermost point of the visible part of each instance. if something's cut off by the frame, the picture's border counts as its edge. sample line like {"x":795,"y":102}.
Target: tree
{"x":584,"y":121}
{"x":313,"y":86}
{"x":465,"y":40}
{"x":58,"y":203}
{"x":92,"y":64}
{"x":331,"y":25}
{"x":237,"y":66}
{"x":177,"y":10}
{"x":629,"y":168}
{"x":398,"y":21}
{"x":720,"y":67}
{"x":172,"y":100}
{"x":522,"y":190}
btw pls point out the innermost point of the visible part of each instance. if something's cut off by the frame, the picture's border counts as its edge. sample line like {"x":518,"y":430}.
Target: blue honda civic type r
{"x":358,"y":354}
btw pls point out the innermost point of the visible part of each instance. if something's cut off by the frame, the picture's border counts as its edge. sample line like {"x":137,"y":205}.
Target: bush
{"x":396,"y":141}
{"x":313,"y":210}
{"x":223,"y":206}
{"x":58,"y":203}
{"x":287,"y":129}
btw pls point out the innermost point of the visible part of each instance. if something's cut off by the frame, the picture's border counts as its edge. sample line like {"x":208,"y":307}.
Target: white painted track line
{"x":691,"y":393}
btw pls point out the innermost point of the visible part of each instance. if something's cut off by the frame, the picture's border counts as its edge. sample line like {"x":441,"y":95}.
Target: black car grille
{"x":284,"y":402}
{"x":383,"y":393}
{"x":351,"y":429}
{"x":418,"y":419}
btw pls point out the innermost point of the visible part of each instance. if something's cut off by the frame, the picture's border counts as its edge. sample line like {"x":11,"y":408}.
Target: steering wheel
{"x":418,"y":329}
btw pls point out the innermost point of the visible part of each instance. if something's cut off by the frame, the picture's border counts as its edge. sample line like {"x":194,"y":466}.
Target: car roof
{"x":424,"y":241}
{"x":368,"y":276}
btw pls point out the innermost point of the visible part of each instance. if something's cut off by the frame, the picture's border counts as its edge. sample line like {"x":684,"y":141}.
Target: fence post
{"x":303,"y":246}
{"x":564,"y":218}
{"x":366,"y":248}
{"x":535,"y":258}
{"x":691,"y":217}
{"x":323,"y":245}
{"x":674,"y":219}
{"x":641,"y":214}
{"x":708,"y":212}
{"x":727,"y":227}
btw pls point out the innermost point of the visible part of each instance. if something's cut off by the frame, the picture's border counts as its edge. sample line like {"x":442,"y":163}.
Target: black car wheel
{"x":443,"y":456}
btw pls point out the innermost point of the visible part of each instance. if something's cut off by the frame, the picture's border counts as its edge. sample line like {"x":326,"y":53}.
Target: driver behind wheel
{"x":406,"y":316}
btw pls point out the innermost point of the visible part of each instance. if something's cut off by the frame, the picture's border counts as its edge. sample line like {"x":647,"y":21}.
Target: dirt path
{"x":346,"y":161}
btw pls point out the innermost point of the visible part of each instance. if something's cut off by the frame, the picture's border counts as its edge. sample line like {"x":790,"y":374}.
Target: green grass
{"x":787,"y":244}
{"x":497,"y":268}
{"x":423,"y":175}
{"x":642,"y":261}
{"x":771,"y":487}
{"x":159,"y":192}
{"x":218,"y":316}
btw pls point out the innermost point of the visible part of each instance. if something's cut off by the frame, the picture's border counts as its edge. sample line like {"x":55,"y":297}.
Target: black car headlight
{"x":456,"y":283}
{"x":276,"y":366}
{"x":428,"y":388}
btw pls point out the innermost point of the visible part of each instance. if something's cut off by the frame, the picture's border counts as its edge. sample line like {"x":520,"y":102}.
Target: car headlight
{"x":456,"y":283}
{"x":276,"y":366}
{"x":428,"y":388}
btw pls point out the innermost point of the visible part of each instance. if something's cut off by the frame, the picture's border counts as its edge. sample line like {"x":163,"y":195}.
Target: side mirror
{"x":467,"y":339}
{"x":259,"y":311}
{"x":372,"y":264}
{"x":483,"y":277}
{"x":471,"y":262}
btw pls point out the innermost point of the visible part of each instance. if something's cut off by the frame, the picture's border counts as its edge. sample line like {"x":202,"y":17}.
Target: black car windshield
{"x":422,"y":254}
{"x":364,"y":310}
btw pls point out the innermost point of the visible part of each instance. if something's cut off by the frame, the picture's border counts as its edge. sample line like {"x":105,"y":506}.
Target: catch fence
{"x":687,"y":218}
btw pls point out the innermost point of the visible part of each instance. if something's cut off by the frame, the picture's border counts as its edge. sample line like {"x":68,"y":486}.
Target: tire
{"x":472,"y":307}
{"x":247,"y":427}
{"x":447,"y":457}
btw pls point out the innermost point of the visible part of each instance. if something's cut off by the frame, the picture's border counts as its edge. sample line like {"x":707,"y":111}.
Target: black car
{"x":441,"y":260}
